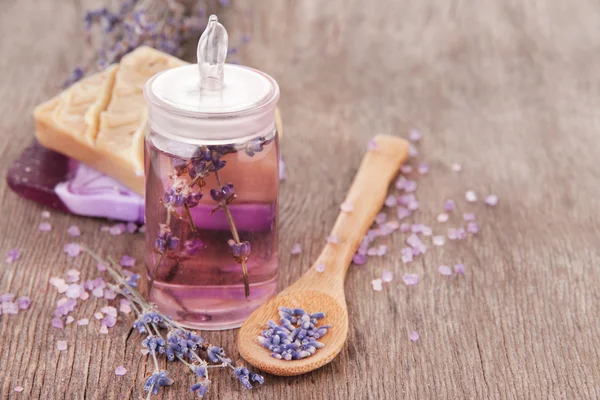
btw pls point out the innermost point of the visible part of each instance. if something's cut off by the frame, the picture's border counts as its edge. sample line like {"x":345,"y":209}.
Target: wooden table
{"x":511,"y":90}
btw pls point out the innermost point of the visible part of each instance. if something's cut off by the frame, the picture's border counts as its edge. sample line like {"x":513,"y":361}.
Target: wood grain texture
{"x":509,"y":88}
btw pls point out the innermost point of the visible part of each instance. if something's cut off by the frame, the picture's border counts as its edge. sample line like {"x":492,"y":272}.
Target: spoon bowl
{"x":321,"y":288}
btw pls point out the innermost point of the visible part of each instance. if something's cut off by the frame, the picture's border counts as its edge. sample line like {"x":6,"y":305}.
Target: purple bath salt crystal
{"x":45,"y":227}
{"x":438,"y":240}
{"x":127,"y":261}
{"x":407,"y":255}
{"x":73,"y":291}
{"x":406,"y":199}
{"x":57,"y":323}
{"x":471,"y":196}
{"x":393,"y":224}
{"x":359,"y":259}
{"x":101,"y":267}
{"x":414,"y":241}
{"x":403,"y":213}
{"x":377,"y":284}
{"x":74,"y":231}
{"x":461,"y":233}
{"x":381,"y":250}
{"x":452,"y":234}
{"x":400,"y":182}
{"x":117,"y":229}
{"x":372,"y":251}
{"x":61,"y":345}
{"x":387,"y":276}
{"x":405,"y":227}
{"x":406,"y":169}
{"x":423,"y":168}
{"x":6,"y":297}
{"x":445,"y":270}
{"x":282,"y":173}
{"x":391,"y":201}
{"x":24,"y":302}
{"x":109,"y":321}
{"x":473,"y":227}
{"x":414,"y":135}
{"x":333,"y":239}
{"x":412,"y":151}
{"x":296,"y":249}
{"x":50,"y":178}
{"x":410,"y":279}
{"x":131,"y":227}
{"x":380,"y":218}
{"x":12,"y":256}
{"x":120,"y":371}
{"x":459,"y":268}
{"x":442,"y":217}
{"x":449,"y":205}
{"x":491,"y":200}
{"x":9,"y":307}
{"x":414,"y":336}
{"x":469,"y":216}
{"x":109,"y":294}
{"x":416,"y":228}
{"x":426,"y":230}
{"x":72,"y":249}
{"x":346,"y":207}
{"x":410,"y":186}
{"x":413,"y":205}
{"x":320,"y":267}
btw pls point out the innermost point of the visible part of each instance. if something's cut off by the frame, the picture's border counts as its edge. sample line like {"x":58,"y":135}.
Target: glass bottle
{"x":211,"y":164}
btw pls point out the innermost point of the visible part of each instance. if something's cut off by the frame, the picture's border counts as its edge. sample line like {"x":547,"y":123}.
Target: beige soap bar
{"x":101,"y":119}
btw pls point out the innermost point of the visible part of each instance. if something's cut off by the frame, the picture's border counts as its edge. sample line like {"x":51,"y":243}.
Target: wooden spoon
{"x":324,"y":291}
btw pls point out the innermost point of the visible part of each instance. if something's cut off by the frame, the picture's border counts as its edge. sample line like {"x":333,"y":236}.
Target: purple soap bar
{"x":52,"y":179}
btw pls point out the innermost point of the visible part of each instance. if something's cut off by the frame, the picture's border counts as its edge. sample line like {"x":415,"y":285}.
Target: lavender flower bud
{"x":225,"y":194}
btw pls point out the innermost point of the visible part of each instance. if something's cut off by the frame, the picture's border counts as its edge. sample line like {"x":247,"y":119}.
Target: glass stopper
{"x":212,"y":51}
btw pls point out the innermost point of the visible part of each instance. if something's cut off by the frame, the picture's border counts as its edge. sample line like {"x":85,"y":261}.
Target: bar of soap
{"x":101,"y":119}
{"x":54,"y":180}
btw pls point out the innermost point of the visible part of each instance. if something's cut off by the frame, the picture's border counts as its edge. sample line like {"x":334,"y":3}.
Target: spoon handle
{"x":364,"y":200}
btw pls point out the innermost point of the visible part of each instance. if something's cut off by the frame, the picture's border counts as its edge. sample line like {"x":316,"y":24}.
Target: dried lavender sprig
{"x":153,"y":323}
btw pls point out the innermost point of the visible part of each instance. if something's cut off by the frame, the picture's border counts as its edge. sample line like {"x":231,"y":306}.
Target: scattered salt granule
{"x":423,"y":168}
{"x":23,"y":302}
{"x":45,"y":214}
{"x":84,"y":295}
{"x":70,"y":319}
{"x":101,"y":267}
{"x":380,"y":218}
{"x":103,"y":329}
{"x":442,"y":217}
{"x":346,"y":207}
{"x":73,"y":291}
{"x":18,"y":389}
{"x":410,"y":279}
{"x":109,"y":321}
{"x":282,"y":173}
{"x":415,"y":135}
{"x":359,"y":259}
{"x":125,"y":306}
{"x":445,"y":270}
{"x":296,"y":249}
{"x":412,"y":151}
{"x":410,"y":186}
{"x":45,"y":227}
{"x":98,"y":315}
{"x":407,"y":255}
{"x":459,"y":268}
{"x":387,"y":276}
{"x":377,"y":284}
{"x":72,"y":249}
{"x":406,"y":169}
{"x":12,"y":256}
{"x":456,"y":167}
{"x":473,"y":227}
{"x":59,"y":284}
{"x":120,"y":370}
{"x":414,"y":336}
{"x":333,"y":239}
{"x":391,"y":201}
{"x":438,"y":240}
{"x":491,"y":200}
{"x":109,"y":294}
{"x":74,"y":231}
{"x":372,"y":251}
{"x":449,"y":205}
{"x":452,"y":234}
{"x":320,"y":267}
{"x":471,"y":196}
{"x":144,"y":351}
{"x":469,"y":216}
{"x":61,"y":345}
{"x":131,"y":227}
{"x":98,"y":292}
{"x":109,"y":310}
{"x":413,"y":205}
{"x":6,"y":297}
{"x":117,"y":229}
{"x":142,"y":229}
{"x":57,"y":323}
{"x":83,"y":321}
{"x":403,"y":212}
{"x":404,"y":227}
{"x":381,"y":250}
{"x":9,"y":307}
{"x":127,"y":261}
